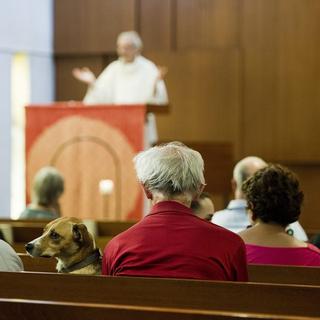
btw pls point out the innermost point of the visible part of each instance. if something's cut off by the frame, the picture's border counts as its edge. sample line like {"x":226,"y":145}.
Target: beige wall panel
{"x":259,"y":127}
{"x":208,"y":23}
{"x":309,"y":176}
{"x":67,"y":87}
{"x":203,"y":88}
{"x":299,"y":73}
{"x":155,"y":24}
{"x":281,"y":79}
{"x":91,"y":26}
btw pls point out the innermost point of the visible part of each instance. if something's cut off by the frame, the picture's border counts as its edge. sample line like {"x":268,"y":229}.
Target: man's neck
{"x":128,"y":61}
{"x":182,"y":199}
{"x":238,"y":195}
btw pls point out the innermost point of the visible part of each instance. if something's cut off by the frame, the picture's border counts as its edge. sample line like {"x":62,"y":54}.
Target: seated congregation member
{"x":48,"y":186}
{"x":235,"y":217}
{"x":203,"y":207}
{"x":316,"y":240}
{"x":274,"y":200}
{"x":9,"y":260}
{"x":171,"y":241}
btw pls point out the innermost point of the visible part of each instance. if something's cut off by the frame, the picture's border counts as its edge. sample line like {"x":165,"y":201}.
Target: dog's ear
{"x":80,"y":232}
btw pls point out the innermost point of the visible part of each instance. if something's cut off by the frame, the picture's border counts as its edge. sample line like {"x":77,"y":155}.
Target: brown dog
{"x":68,"y":240}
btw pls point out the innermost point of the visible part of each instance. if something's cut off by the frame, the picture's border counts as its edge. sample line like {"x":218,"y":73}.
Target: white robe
{"x":130,"y":83}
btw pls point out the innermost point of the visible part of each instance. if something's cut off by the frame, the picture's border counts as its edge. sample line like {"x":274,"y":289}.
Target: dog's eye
{"x":54,"y":235}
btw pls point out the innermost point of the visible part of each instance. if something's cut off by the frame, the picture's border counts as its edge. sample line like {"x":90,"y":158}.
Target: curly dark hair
{"x":273,"y":195}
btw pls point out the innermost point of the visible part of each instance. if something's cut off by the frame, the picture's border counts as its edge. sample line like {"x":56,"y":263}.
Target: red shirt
{"x":171,"y":242}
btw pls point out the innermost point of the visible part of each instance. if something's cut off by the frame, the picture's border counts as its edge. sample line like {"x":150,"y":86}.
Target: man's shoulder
{"x":146,"y":62}
{"x":234,"y":217}
{"x":236,"y":209}
{"x":223,"y":215}
{"x":113,"y":65}
{"x":229,"y":238}
{"x":218,"y":230}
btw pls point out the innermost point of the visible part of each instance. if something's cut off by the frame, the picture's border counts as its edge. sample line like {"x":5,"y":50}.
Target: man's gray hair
{"x":245,"y":168}
{"x":170,"y":169}
{"x":131,"y":37}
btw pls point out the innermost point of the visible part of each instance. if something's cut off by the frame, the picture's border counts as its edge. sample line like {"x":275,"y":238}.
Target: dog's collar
{"x":95,"y":256}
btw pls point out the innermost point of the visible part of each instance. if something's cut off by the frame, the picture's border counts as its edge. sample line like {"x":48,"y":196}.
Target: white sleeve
{"x":295,"y":229}
{"x":101,"y":90}
{"x":9,"y":260}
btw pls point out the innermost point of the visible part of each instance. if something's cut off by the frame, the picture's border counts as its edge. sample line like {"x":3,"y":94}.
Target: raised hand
{"x":84,"y":75}
{"x":163,"y":70}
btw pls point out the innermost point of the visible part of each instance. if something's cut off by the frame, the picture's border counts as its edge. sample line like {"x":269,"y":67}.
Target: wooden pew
{"x":290,"y":300}
{"x":19,"y":247}
{"x":38,"y":264}
{"x":24,"y":231}
{"x":112,"y":228}
{"x":12,"y":309}
{"x":284,"y":274}
{"x":257,"y":273}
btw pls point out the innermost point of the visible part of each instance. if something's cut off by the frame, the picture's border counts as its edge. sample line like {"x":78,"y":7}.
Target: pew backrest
{"x":12,"y":309}
{"x":293,"y":300}
{"x":257,"y":273}
{"x":284,"y":274}
{"x":38,"y":264}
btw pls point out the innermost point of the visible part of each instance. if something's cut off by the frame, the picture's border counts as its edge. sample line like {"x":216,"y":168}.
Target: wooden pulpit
{"x":88,"y":145}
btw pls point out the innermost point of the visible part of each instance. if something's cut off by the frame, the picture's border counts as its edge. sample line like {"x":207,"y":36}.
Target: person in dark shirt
{"x":171,"y":241}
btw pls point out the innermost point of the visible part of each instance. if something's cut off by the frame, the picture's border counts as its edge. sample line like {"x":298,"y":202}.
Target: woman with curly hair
{"x":274,"y":201}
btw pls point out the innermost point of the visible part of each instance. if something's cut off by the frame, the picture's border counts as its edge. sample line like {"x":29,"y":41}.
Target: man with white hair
{"x":235,"y":217}
{"x":132,"y":79}
{"x":171,"y":241}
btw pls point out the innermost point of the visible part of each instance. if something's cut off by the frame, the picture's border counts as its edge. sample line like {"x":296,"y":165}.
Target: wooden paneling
{"x":309,"y":176}
{"x":207,"y":23}
{"x":155,"y":24}
{"x":67,"y":87}
{"x":281,"y":79}
{"x":203,"y":90}
{"x":262,"y":95}
{"x":91,"y":26}
{"x":259,"y":132}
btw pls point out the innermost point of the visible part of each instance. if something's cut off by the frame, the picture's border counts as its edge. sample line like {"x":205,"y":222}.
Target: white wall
{"x":25,"y":26}
{"x":5,"y":131}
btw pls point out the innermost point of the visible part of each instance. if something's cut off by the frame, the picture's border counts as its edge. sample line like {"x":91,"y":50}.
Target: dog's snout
{"x":29,"y":247}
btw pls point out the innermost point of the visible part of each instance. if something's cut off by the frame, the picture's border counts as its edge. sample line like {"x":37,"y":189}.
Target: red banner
{"x":88,"y":145}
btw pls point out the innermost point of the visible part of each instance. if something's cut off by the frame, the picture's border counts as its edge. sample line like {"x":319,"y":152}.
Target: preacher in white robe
{"x":130,"y":83}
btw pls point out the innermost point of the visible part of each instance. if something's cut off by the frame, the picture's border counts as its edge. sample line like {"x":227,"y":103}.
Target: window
{"x":20,"y":97}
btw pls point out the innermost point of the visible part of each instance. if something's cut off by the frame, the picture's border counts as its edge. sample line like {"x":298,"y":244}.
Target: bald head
{"x":244,"y":169}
